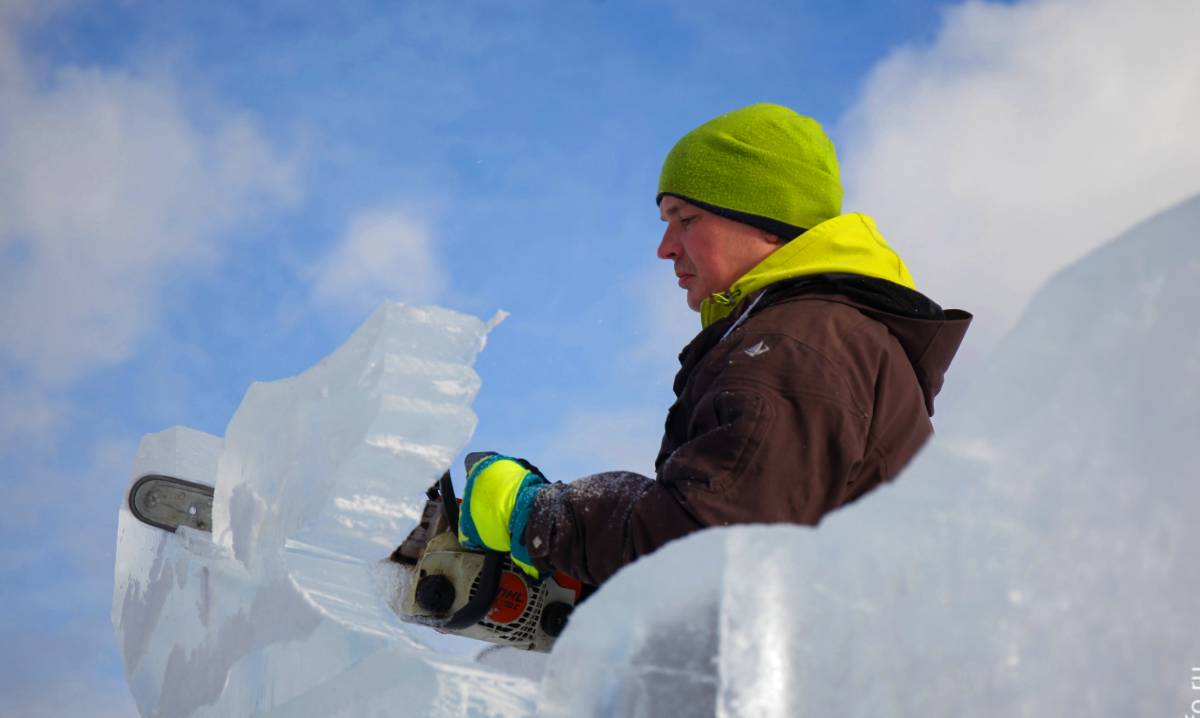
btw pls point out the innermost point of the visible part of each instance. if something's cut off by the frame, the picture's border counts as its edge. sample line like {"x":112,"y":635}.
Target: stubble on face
{"x":709,"y":252}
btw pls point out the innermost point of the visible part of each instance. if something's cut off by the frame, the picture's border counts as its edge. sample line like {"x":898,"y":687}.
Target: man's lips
{"x":683,"y":277}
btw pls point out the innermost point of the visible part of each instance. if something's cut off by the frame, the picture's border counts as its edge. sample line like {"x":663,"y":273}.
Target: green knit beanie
{"x":762,"y":161}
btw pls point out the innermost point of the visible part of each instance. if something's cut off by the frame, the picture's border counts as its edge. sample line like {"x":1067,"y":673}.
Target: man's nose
{"x":668,"y":248}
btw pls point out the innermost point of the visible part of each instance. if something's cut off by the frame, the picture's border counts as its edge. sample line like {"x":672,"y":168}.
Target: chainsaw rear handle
{"x":489,"y":577}
{"x":449,"y":501}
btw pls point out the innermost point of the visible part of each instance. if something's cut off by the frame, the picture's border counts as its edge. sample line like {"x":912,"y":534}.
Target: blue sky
{"x":202,"y":195}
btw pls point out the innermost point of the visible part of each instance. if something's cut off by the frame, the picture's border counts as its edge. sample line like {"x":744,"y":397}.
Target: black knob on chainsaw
{"x":554,"y":618}
{"x":435,"y":593}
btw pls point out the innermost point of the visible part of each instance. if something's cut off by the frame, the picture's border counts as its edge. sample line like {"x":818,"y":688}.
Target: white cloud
{"x":28,"y":417}
{"x":109,"y":189}
{"x":384,"y":254}
{"x":1024,"y":136}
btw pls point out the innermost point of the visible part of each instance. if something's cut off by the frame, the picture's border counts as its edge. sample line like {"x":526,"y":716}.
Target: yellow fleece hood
{"x":846,"y":244}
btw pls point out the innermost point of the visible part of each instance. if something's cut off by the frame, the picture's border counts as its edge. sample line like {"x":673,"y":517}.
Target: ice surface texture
{"x":1039,"y":559}
{"x":281,"y":610}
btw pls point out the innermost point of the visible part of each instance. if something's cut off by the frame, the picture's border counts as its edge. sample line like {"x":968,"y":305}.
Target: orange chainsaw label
{"x":511,"y":599}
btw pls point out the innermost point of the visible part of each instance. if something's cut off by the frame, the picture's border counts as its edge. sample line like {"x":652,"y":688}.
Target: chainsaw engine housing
{"x":481,"y":595}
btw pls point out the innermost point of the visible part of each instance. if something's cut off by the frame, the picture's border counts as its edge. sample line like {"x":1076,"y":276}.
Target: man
{"x":811,"y":382}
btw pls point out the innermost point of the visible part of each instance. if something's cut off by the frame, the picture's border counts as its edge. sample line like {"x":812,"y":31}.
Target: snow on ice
{"x":1037,"y":559}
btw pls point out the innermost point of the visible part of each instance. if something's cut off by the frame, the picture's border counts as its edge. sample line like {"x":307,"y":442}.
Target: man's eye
{"x":685,"y":221}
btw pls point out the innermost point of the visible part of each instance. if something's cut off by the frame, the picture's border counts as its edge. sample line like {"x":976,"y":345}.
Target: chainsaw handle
{"x":479,"y":604}
{"x":489,"y":577}
{"x":449,"y":502}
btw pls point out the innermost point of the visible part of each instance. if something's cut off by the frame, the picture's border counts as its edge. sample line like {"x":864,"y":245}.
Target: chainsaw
{"x":481,"y":595}
{"x":477,"y":594}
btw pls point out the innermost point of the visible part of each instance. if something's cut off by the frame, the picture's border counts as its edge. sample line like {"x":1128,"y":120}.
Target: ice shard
{"x":281,"y":609}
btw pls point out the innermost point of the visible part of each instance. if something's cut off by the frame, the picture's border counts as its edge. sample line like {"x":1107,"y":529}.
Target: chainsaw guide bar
{"x":168,"y":503}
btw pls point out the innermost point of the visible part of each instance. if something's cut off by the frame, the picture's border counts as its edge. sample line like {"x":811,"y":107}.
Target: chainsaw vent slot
{"x":525,"y":628}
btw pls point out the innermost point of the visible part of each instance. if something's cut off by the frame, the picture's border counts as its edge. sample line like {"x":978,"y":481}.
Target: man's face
{"x":709,"y":251}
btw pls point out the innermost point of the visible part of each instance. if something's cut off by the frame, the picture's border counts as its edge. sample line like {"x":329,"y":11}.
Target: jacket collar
{"x":847,"y":244}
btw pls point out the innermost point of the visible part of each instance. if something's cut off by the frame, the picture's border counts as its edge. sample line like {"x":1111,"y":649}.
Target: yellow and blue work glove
{"x":496,"y":505}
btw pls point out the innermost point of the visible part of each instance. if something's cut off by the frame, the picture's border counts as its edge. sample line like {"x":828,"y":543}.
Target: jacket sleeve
{"x":762,"y":447}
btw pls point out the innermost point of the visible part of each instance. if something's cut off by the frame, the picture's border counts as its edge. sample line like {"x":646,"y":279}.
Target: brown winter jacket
{"x":814,"y":392}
